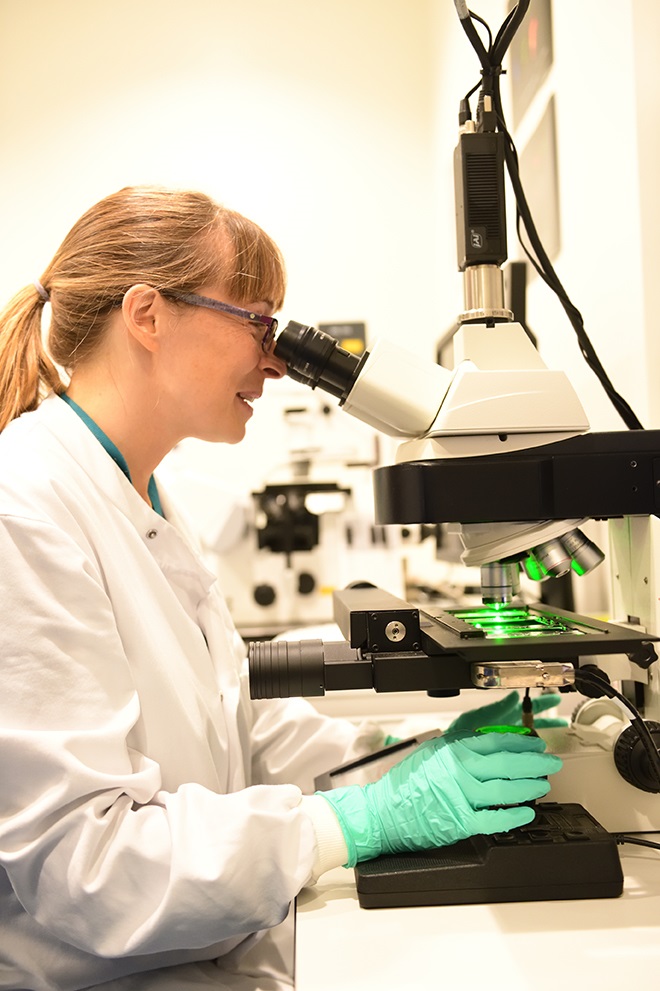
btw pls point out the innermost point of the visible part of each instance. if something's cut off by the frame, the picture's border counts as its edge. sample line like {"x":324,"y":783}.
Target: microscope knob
{"x":264,"y":595}
{"x":306,"y":583}
{"x":632,"y":760}
{"x":592,"y":691}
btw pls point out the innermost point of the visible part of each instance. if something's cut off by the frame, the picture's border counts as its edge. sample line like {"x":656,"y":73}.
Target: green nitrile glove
{"x":443,"y":792}
{"x":507,"y":712}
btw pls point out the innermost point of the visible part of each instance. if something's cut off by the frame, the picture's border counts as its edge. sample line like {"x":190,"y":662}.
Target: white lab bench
{"x":605,"y":943}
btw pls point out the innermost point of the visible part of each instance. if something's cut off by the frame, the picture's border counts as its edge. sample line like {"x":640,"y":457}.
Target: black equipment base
{"x":564,"y":853}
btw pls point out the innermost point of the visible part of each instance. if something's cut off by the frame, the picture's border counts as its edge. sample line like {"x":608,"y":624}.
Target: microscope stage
{"x":523,"y":632}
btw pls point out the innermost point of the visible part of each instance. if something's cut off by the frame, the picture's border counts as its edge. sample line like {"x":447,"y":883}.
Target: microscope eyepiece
{"x":316,"y":359}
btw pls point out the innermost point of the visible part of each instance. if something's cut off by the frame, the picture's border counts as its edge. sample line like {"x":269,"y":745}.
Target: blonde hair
{"x":168,"y":239}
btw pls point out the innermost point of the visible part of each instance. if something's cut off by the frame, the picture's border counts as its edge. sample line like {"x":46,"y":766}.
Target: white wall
{"x":646,"y":32}
{"x":313,"y":118}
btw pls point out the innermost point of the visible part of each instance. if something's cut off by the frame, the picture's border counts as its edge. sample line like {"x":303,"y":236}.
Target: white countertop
{"x":606,"y":944}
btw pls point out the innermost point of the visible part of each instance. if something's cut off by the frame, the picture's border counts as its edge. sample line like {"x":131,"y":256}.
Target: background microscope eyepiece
{"x":316,"y":359}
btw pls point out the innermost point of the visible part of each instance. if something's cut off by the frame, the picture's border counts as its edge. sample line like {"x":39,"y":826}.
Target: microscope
{"x":499,"y":447}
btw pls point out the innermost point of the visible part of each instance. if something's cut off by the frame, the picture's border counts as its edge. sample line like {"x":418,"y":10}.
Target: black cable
{"x":642,"y":730}
{"x":473,"y":90}
{"x":475,"y":17}
{"x":503,"y":27}
{"x":491,"y":63}
{"x":622,"y":838}
{"x":508,"y":30}
{"x":465,"y":16}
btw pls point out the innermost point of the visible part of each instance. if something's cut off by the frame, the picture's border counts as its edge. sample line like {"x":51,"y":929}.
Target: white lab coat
{"x":150,"y":812}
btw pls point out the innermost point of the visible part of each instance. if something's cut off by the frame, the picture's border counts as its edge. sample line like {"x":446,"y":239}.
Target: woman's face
{"x":211,"y":369}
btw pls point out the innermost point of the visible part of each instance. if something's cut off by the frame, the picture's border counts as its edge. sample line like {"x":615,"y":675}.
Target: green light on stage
{"x":511,"y":622}
{"x":494,"y":613}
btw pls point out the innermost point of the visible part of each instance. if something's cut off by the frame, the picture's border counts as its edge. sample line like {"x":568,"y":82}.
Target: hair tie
{"x":45,"y":295}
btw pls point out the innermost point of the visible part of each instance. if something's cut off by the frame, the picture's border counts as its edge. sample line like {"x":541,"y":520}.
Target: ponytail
{"x":27,"y":373}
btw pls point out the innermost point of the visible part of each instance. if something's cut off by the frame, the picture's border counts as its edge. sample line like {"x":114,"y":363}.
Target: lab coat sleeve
{"x":96,"y":851}
{"x":293,"y":742}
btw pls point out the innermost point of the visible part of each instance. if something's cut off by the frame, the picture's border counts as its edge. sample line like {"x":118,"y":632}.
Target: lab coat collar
{"x":164,"y":537}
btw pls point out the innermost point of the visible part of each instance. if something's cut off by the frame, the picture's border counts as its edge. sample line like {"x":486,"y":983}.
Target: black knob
{"x":632,"y":760}
{"x":592,"y":689}
{"x":306,"y":583}
{"x":264,"y":595}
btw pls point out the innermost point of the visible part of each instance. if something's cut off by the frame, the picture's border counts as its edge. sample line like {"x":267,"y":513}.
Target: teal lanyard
{"x":114,"y":452}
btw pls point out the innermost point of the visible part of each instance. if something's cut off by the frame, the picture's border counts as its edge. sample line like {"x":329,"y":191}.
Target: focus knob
{"x":632,"y":760}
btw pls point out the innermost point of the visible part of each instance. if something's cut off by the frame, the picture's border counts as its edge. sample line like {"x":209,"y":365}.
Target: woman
{"x":154,"y":821}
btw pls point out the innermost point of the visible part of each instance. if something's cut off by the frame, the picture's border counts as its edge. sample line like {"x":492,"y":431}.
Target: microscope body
{"x":498,"y":447}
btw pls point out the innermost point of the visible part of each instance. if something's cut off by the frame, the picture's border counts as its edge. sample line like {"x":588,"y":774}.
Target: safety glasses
{"x":267,"y":325}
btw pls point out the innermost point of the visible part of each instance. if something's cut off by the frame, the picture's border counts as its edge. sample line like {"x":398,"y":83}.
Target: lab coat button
{"x":151,"y":534}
